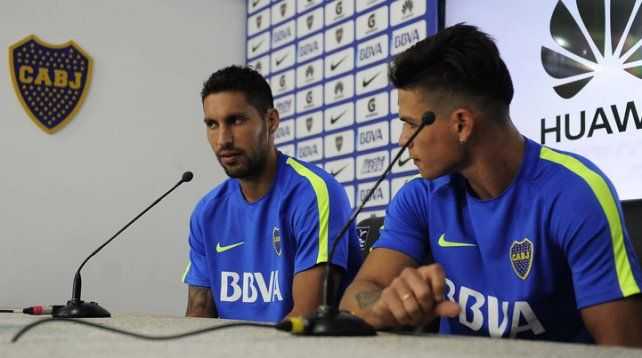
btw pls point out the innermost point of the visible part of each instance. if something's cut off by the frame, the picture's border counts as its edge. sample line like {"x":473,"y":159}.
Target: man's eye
{"x":210,"y":124}
{"x":409,"y":125}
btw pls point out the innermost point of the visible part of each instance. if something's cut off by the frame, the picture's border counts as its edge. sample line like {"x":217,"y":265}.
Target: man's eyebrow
{"x":228,"y":116}
{"x":406,"y":119}
{"x":236,"y":114}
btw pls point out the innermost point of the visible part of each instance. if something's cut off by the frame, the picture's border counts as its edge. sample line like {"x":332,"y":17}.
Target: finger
{"x":410,"y":304}
{"x":435,"y":276}
{"x":380,"y":316}
{"x":420,"y":289}
{"x":393,"y":303}
{"x":447,"y":309}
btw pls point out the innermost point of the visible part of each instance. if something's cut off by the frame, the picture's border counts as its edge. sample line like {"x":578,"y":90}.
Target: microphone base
{"x":81,"y":309}
{"x":329,"y":321}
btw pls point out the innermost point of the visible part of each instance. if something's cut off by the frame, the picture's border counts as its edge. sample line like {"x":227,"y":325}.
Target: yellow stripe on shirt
{"x":323,"y":205}
{"x":600,"y":188}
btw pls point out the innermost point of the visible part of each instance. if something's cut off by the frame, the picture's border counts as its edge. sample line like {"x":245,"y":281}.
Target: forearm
{"x":305,"y":305}
{"x":200,"y":311}
{"x":616,"y":323}
{"x":413,"y":298}
{"x":626,"y":338}
{"x":307,"y":289}
{"x":378,"y":271}
{"x":360,"y":297}
{"x":200,"y":303}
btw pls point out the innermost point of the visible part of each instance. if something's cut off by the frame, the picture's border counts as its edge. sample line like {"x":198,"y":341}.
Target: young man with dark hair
{"x":528,"y":241}
{"x":259,"y":241}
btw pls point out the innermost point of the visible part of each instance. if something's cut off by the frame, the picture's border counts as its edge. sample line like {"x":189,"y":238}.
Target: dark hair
{"x":241,"y":79}
{"x":459,"y":61}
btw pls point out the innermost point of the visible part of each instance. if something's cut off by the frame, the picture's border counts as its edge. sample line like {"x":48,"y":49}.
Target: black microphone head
{"x":188,"y":176}
{"x":428,"y":118}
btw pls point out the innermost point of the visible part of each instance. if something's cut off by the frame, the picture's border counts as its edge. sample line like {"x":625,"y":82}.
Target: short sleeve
{"x":588,"y":220}
{"x":196,"y":273}
{"x":320,"y":211}
{"x":405,"y":227}
{"x":316,"y":225}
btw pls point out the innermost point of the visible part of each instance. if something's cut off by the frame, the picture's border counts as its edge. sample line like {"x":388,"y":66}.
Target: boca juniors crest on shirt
{"x":51,"y":81}
{"x":276,"y":240}
{"x":521,"y":257}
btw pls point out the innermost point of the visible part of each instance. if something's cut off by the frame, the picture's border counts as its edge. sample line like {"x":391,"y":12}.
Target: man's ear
{"x":273,"y":120}
{"x":463,"y":123}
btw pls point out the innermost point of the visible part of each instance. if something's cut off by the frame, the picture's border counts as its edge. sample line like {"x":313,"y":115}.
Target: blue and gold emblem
{"x":276,"y":240}
{"x":362,"y":235}
{"x":521,"y":257}
{"x":51,"y":81}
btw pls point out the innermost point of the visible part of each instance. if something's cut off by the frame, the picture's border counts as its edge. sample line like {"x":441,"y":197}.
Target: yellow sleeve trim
{"x":323,"y":205}
{"x":189,"y":265}
{"x":598,"y":185}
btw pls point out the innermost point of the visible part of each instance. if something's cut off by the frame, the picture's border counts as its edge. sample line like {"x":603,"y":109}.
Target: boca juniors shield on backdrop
{"x":51,"y":81}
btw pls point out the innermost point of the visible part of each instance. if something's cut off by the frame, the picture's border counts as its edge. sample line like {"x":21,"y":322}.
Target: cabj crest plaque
{"x":51,"y":81}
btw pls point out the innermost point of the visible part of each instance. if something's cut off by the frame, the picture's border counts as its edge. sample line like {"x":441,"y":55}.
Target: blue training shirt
{"x":523,"y":264}
{"x":249,"y":253}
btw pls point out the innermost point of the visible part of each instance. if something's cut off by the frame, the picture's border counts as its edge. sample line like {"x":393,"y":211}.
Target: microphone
{"x":327,"y":320}
{"x":76,"y":308}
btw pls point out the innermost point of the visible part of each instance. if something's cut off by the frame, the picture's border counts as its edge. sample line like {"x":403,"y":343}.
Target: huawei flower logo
{"x":589,"y":44}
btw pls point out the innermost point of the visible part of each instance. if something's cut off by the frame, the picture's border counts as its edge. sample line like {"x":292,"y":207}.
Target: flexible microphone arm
{"x":427,"y":119}
{"x":74,"y":308}
{"x":327,"y":320}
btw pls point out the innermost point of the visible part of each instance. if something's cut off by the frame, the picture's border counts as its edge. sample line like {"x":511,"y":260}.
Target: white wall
{"x":521,"y":28}
{"x":141,"y":126}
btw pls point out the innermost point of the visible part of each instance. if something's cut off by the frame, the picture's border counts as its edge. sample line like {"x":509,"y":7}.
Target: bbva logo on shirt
{"x":250,"y":287}
{"x":473,"y":313}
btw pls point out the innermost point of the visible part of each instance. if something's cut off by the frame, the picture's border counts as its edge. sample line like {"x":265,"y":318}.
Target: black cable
{"x":32,"y":325}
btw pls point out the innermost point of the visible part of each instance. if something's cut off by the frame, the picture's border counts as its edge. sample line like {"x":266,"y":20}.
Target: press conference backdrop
{"x":327,"y":62}
{"x":577,"y":70}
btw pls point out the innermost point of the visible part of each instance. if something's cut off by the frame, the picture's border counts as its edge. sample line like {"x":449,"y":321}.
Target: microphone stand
{"x":77,"y":308}
{"x":328,"y":320}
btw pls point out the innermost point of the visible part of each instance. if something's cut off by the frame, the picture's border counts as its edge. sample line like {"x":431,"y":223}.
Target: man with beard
{"x":259,"y":242}
{"x":529,"y":242}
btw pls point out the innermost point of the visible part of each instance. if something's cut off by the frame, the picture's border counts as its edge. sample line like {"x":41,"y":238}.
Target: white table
{"x":70,"y":340}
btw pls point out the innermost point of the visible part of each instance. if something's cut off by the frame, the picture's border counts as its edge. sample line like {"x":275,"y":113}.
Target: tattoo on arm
{"x":200,"y":302}
{"x":367,"y":299}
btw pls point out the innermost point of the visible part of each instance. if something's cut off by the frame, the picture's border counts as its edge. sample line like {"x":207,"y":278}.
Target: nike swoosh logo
{"x":334,"y":120}
{"x":220,"y":249}
{"x":334,"y":174}
{"x":255,"y":2}
{"x":333,"y":66}
{"x":279,"y":61}
{"x":365,"y":82}
{"x":403,"y":162}
{"x":443,"y":243}
{"x":254,"y":48}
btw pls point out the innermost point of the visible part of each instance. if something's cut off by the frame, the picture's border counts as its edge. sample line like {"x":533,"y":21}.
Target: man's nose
{"x":404,"y":136}
{"x":225,"y":137}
